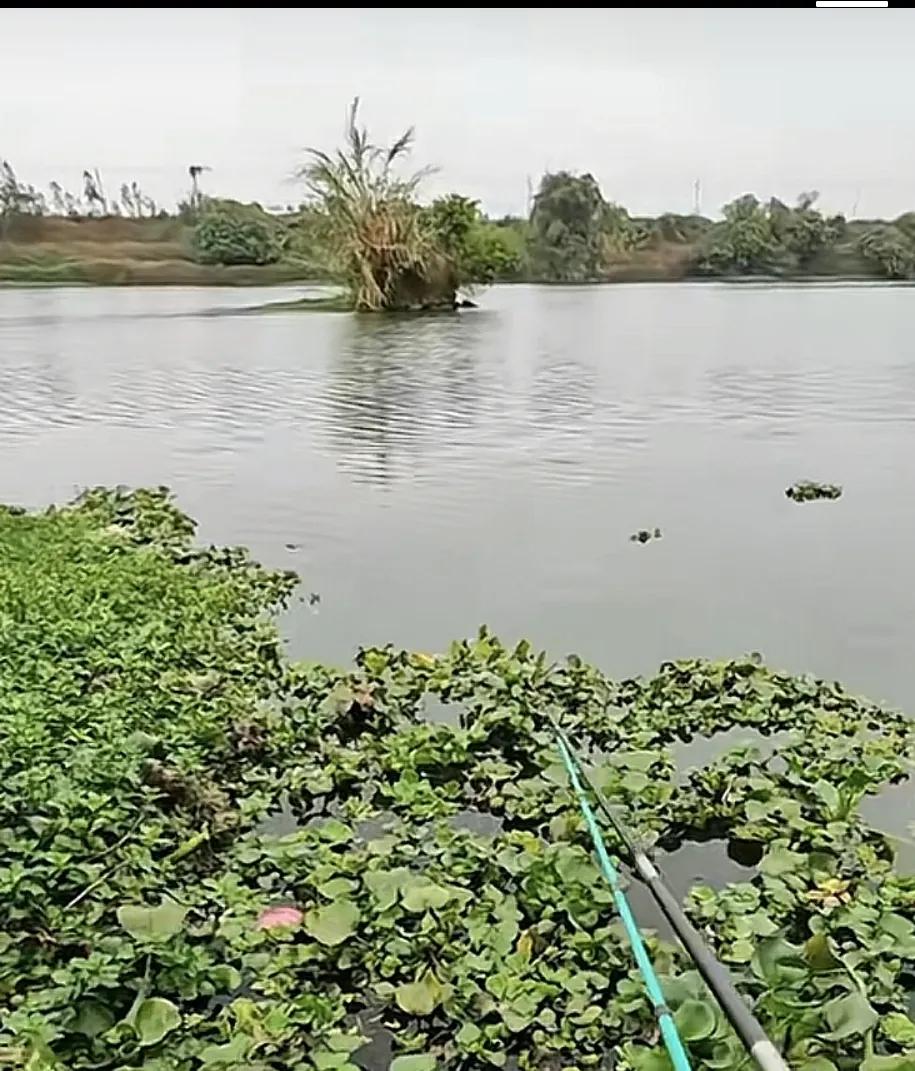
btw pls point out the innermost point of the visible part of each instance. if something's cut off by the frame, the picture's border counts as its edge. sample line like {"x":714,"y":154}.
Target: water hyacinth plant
{"x":809,"y":491}
{"x":158,"y":917}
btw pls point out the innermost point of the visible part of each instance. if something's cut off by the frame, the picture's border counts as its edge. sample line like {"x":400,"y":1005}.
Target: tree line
{"x":364,"y":222}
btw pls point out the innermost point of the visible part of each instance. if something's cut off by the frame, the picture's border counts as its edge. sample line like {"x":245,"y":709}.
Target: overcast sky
{"x":772,"y":101}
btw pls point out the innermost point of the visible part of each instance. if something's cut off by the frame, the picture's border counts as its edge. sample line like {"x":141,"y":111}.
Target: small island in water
{"x":365,"y":225}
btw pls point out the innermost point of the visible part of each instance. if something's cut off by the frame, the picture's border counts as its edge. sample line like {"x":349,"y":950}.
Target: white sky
{"x":771,"y":101}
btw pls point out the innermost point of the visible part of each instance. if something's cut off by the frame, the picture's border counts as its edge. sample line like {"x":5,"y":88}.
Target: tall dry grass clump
{"x":374,"y":231}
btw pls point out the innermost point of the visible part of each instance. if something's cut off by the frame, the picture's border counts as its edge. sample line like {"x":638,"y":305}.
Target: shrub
{"x":890,"y":251}
{"x":231,"y":233}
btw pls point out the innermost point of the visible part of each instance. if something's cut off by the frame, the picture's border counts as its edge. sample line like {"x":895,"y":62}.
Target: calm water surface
{"x":435,"y":473}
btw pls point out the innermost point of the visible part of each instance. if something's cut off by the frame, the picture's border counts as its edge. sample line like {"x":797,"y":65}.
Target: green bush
{"x":890,"y":250}
{"x":231,"y":233}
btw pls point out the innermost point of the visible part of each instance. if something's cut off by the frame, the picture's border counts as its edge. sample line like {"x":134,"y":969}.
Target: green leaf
{"x":779,"y":860}
{"x":757,"y":810}
{"x":416,"y":1062}
{"x":899,"y":1028}
{"x":152,"y":923}
{"x":778,"y":962}
{"x":468,"y":1034}
{"x":900,"y":929}
{"x":634,"y":760}
{"x":93,"y":1018}
{"x":695,"y":1020}
{"x":156,"y":1017}
{"x":905,"y":1061}
{"x":325,"y":1060}
{"x":419,"y":997}
{"x":815,"y":1063}
{"x":337,"y":887}
{"x":331,"y":924}
{"x":741,"y":951}
{"x":334,"y":831}
{"x":420,"y":894}
{"x":232,"y":1052}
{"x":849,"y":1015}
{"x":384,"y":885}
{"x":828,"y":794}
{"x":345,"y":1042}
{"x":635,"y":781}
{"x":818,"y":952}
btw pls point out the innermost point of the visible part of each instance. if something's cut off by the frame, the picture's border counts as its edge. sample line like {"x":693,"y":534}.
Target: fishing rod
{"x":666,"y":1024}
{"x":717,"y":978}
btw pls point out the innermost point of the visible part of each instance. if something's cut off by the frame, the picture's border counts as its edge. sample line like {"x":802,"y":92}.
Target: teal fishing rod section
{"x":745,"y":1024}
{"x":666,"y":1024}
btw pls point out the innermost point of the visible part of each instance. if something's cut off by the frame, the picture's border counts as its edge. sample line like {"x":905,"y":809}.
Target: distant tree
{"x":568,"y":222}
{"x":58,"y":204}
{"x":130,"y":206}
{"x":889,"y":249}
{"x":195,"y":171}
{"x":94,"y":192}
{"x":744,"y":242}
{"x":479,"y":251}
{"x":17,"y":198}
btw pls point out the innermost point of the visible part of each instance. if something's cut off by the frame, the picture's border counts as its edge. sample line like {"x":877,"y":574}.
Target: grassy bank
{"x":123,"y":252}
{"x":213,"y":857}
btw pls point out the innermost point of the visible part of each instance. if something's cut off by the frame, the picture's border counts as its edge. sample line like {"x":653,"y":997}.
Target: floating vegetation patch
{"x":211,"y":857}
{"x":643,"y":535}
{"x":810,"y":491}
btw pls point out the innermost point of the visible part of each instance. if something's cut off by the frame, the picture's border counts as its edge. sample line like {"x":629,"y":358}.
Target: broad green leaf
{"x":337,"y":888}
{"x":905,"y":1061}
{"x":695,"y":1020}
{"x":384,"y":885}
{"x":420,"y":894}
{"x":814,"y":1063}
{"x":345,"y":1042}
{"x":828,"y":794}
{"x":331,"y":924}
{"x":468,"y":1034}
{"x":742,"y":951}
{"x":757,"y":810}
{"x":819,"y":953}
{"x":326,"y":1060}
{"x":93,"y":1018}
{"x":152,"y":923}
{"x":156,"y":1017}
{"x":419,"y":997}
{"x":233,"y":1051}
{"x":778,"y":962}
{"x":416,"y":1062}
{"x":634,"y":760}
{"x":334,"y":831}
{"x":635,"y":781}
{"x":849,"y":1015}
{"x":779,"y":860}
{"x":900,"y":929}
{"x":899,"y":1028}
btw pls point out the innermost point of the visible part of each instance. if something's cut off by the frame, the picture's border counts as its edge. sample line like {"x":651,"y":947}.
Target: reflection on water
{"x":397,"y":388}
{"x":715,"y":863}
{"x":700,"y":751}
{"x":446,"y":470}
{"x":892,"y":811}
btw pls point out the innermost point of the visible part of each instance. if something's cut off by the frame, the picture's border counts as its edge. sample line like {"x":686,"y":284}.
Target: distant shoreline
{"x":115,"y":251}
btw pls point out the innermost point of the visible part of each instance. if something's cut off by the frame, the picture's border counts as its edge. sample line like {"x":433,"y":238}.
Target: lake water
{"x":433,"y":473}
